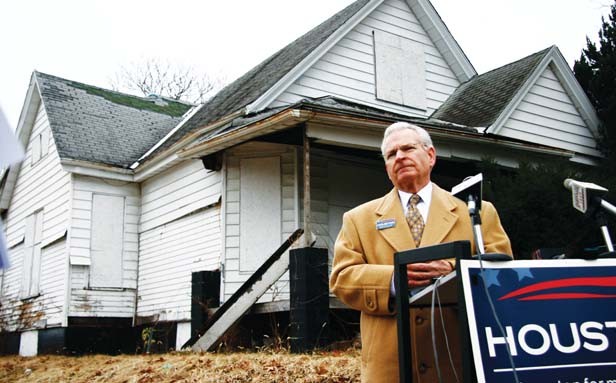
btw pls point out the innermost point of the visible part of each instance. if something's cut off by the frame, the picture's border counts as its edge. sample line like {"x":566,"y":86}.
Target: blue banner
{"x":557,"y":320}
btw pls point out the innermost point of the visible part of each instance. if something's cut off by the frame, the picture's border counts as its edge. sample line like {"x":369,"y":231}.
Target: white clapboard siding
{"x":79,"y":277}
{"x":80,"y":234}
{"x":233,"y":277}
{"x":176,"y":192}
{"x":102,"y":303}
{"x":10,"y":289}
{"x":40,"y":186}
{"x":547,"y":116}
{"x":54,"y":282}
{"x":169,"y":254}
{"x":110,"y":301}
{"x":347,"y":69}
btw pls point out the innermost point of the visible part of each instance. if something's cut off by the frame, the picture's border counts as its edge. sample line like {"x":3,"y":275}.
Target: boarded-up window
{"x":40,"y":146}
{"x":400,"y":70}
{"x":44,"y":142}
{"x":107,"y":241}
{"x":36,"y":149}
{"x":260,"y":210}
{"x":32,"y":255}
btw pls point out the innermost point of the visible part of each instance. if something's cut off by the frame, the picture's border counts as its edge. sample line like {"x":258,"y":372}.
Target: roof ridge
{"x":72,"y":82}
{"x":502,"y":67}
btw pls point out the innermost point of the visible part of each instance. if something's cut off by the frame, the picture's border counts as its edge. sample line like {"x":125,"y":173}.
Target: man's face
{"x":407,"y":161}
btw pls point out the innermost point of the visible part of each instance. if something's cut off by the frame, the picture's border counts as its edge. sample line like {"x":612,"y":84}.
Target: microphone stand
{"x":602,"y":222}
{"x":473,"y":211}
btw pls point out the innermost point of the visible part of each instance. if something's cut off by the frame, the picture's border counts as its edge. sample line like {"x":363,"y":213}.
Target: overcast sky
{"x":90,"y":41}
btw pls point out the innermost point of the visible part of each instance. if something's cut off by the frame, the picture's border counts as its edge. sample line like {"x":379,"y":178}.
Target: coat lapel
{"x":441,"y":218}
{"x":399,"y":236}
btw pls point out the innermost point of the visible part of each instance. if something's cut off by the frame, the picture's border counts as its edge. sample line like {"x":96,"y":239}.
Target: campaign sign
{"x":557,"y":320}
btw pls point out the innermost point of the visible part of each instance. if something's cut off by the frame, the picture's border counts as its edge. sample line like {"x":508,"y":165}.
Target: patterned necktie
{"x":414,"y":218}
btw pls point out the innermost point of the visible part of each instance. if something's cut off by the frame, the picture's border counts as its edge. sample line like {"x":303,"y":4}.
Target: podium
{"x":449,"y":291}
{"x":530,"y":321}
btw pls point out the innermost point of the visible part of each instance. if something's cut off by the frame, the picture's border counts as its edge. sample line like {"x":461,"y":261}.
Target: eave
{"x":154,"y":162}
{"x":95,"y":169}
{"x":361,"y":132}
{"x":281,"y":121}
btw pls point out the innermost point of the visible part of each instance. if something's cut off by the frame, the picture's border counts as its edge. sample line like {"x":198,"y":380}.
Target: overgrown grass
{"x":332,"y":366}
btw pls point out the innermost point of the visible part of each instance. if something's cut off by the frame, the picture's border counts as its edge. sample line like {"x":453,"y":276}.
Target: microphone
{"x":469,"y":191}
{"x":586,"y":196}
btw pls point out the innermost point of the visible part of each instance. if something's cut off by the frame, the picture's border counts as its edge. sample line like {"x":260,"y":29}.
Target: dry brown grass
{"x":335,"y":367}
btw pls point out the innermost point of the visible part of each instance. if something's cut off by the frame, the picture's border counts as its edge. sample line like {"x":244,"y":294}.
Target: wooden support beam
{"x":307,"y":209}
{"x":244,"y":298}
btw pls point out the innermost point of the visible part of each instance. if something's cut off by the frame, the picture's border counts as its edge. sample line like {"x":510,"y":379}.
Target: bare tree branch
{"x":154,"y":76}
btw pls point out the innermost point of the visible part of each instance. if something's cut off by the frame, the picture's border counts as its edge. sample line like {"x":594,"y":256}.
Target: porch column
{"x":307,"y":210}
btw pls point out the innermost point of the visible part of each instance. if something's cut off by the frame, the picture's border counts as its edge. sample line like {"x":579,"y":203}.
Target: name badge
{"x":385,"y":224}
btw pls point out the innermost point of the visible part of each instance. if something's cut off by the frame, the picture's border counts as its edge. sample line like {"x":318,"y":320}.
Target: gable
{"x":535,"y":99}
{"x":360,"y":67}
{"x":547,"y":115}
{"x":40,"y":184}
{"x":481,"y":100}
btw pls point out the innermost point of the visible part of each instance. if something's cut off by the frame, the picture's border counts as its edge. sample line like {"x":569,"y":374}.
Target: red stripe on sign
{"x":559,"y":283}
{"x":543,"y":297}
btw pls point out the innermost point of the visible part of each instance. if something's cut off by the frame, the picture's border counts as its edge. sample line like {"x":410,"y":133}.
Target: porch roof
{"x":356,"y":119}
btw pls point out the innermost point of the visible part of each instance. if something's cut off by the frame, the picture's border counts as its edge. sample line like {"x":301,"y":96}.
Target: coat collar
{"x":441,"y":220}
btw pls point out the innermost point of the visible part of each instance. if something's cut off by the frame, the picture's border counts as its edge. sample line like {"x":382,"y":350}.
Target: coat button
{"x":419,"y":320}
{"x":423,"y":368}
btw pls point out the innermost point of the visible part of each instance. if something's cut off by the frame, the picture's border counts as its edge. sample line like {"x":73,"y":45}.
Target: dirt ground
{"x":334,"y":366}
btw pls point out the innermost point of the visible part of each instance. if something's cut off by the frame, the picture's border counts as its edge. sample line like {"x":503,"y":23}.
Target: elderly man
{"x":416,"y":212}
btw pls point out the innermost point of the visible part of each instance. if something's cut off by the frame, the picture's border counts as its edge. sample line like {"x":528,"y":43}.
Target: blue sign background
{"x":561,"y":307}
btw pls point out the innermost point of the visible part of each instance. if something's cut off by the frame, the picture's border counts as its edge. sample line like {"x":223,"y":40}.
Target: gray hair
{"x":424,"y":136}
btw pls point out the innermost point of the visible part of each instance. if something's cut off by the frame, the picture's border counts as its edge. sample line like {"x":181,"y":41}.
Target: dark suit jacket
{"x":363,"y":267}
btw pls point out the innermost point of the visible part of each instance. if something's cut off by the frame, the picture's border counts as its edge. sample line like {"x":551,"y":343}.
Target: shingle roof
{"x":259,"y":79}
{"x":479,"y":101}
{"x":102,"y":126}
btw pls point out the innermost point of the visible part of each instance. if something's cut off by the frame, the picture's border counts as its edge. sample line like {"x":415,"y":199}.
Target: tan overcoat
{"x":362,"y":272}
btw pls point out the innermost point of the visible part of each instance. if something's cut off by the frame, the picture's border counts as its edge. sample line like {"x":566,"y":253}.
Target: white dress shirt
{"x":424,"y":208}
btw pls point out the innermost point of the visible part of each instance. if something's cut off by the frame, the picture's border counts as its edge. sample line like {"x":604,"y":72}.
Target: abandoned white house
{"x":122,"y":200}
